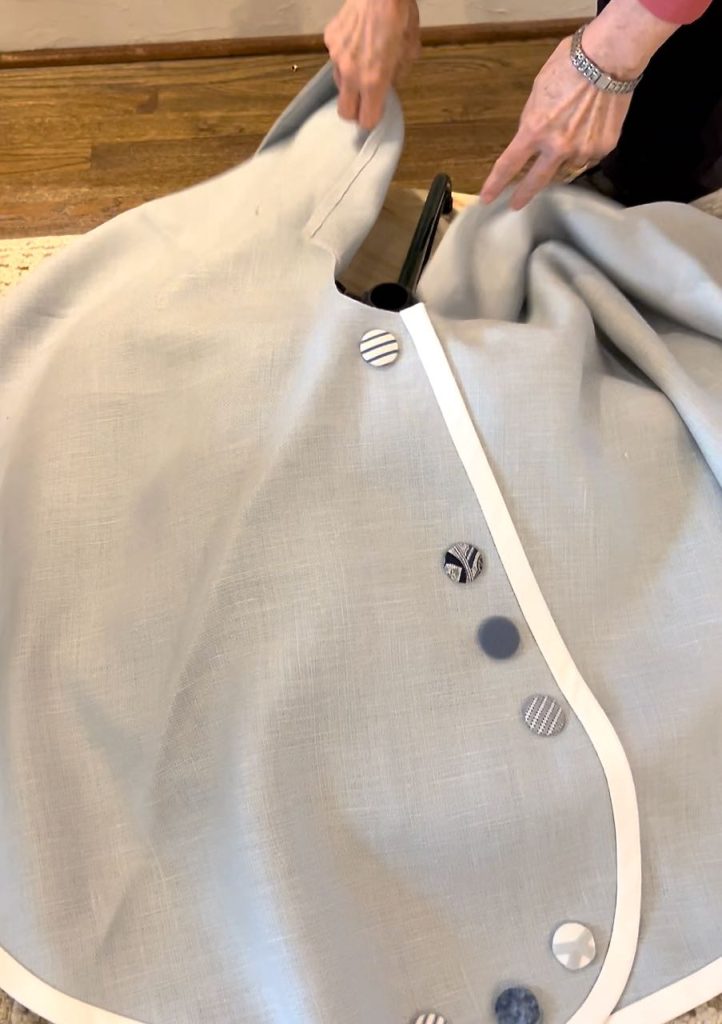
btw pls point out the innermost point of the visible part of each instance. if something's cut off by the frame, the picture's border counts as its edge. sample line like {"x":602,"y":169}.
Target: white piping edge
{"x":613,"y":977}
{"x":674,"y":1000}
{"x":41,"y":998}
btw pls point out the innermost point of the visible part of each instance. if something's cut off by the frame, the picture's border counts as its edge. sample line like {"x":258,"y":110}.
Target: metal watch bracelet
{"x":594,"y":74}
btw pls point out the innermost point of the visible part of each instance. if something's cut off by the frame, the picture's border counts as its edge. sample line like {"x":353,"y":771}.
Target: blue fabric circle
{"x":517,"y":1006}
{"x":499,"y":637}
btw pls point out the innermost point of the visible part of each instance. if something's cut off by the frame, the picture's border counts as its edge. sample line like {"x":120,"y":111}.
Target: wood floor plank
{"x":55,"y":157}
{"x":177,"y":161}
{"x":81,"y":144}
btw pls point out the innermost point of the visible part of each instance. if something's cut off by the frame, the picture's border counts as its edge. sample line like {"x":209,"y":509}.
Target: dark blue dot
{"x":517,"y":1006}
{"x":499,"y":637}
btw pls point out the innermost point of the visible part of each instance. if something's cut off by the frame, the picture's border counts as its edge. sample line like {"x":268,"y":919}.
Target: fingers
{"x":412,"y":36}
{"x":511,"y":162}
{"x":349,"y":98}
{"x":337,"y":77}
{"x":371,"y":47}
{"x":373,"y":98}
{"x":574,"y":149}
{"x":540,"y":175}
{"x":338,"y":39}
{"x":363,"y":103}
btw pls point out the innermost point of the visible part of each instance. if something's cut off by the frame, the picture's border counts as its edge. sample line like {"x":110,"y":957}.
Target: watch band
{"x":594,"y":74}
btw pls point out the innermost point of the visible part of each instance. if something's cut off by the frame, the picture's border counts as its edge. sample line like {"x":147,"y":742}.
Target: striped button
{"x":430,"y":1018}
{"x":543,"y":715}
{"x":462,"y":563}
{"x":379,"y":347}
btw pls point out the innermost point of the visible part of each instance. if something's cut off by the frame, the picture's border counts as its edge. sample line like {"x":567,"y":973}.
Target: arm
{"x":678,"y":12}
{"x":626,"y":35}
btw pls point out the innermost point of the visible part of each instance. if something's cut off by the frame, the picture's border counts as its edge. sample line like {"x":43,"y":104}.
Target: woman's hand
{"x":567,"y":122}
{"x":371,"y":43}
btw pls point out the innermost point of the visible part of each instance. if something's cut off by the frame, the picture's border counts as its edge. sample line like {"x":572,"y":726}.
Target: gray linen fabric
{"x":254,"y":763}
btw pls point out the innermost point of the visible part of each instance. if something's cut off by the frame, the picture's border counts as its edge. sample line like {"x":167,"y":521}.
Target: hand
{"x":372,"y":43}
{"x":566,"y":120}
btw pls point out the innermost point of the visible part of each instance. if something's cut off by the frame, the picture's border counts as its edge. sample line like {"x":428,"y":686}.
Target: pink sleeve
{"x":678,"y":12}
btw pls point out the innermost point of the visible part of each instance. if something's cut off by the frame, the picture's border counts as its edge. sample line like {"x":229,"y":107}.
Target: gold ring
{"x":574,"y":172}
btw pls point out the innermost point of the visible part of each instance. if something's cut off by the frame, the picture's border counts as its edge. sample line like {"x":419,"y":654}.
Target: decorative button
{"x":517,"y":1006}
{"x":462,"y":563}
{"x":499,"y":637}
{"x":379,"y":347}
{"x":430,"y":1018}
{"x":544,"y":715}
{"x":573,"y":945}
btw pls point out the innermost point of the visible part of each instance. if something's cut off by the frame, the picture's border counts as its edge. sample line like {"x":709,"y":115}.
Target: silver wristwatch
{"x":594,"y":74}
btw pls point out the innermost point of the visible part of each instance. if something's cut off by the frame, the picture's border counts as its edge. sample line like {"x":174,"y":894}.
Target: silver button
{"x":573,"y":945}
{"x":462,"y":563}
{"x":379,"y":347}
{"x":543,"y":715}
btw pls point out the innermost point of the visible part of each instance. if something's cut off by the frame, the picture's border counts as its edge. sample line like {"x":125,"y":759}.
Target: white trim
{"x":39,"y":997}
{"x":613,"y":977}
{"x":674,"y":1000}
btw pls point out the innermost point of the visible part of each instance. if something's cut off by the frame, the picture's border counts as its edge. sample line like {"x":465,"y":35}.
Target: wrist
{"x":624,"y":37}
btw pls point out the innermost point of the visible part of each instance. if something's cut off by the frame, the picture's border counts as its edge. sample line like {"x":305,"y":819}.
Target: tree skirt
{"x":381,"y":257}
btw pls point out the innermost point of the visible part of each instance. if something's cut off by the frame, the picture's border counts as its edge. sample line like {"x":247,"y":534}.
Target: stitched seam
{"x":339,"y":194}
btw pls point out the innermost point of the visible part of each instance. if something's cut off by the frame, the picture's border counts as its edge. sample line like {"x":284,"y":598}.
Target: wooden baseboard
{"x":442,"y":35}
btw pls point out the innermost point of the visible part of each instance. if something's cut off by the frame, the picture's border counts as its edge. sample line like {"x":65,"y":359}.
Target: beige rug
{"x":381,"y":253}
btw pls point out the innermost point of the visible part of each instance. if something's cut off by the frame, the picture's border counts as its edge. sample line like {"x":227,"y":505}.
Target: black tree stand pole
{"x":398,"y":295}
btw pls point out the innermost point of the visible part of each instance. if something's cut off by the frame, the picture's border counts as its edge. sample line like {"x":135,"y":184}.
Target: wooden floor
{"x":80,"y":144}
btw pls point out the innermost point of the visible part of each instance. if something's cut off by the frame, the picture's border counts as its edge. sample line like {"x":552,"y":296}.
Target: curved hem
{"x":50,"y":1003}
{"x":671,"y":1002}
{"x":39,"y":997}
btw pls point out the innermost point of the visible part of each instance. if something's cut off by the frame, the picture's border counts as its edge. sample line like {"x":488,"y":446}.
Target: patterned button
{"x":462,"y":563}
{"x":573,"y":945}
{"x":517,"y":1006}
{"x":499,"y":637}
{"x":544,"y":715}
{"x":430,"y":1018}
{"x":379,"y":347}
